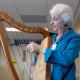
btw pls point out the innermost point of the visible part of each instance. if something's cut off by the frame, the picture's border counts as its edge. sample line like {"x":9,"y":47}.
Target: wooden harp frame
{"x":4,"y":17}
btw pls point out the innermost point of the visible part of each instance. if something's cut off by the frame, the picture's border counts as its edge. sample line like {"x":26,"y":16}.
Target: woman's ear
{"x":67,"y":25}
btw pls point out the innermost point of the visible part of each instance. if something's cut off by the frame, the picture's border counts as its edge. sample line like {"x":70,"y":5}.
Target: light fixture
{"x":12,"y":29}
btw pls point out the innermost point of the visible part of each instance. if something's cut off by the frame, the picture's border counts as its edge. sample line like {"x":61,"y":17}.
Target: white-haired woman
{"x":66,"y":44}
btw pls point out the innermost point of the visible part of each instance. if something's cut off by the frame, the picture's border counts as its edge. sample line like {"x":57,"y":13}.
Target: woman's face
{"x":56,"y":23}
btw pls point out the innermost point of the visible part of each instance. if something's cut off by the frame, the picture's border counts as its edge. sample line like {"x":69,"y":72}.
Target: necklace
{"x":54,"y":45}
{"x":57,"y":39}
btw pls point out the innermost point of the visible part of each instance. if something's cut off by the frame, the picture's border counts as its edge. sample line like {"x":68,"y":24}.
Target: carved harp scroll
{"x":45,"y":67}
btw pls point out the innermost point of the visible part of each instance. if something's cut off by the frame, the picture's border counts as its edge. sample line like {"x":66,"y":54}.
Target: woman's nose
{"x":51,"y":22}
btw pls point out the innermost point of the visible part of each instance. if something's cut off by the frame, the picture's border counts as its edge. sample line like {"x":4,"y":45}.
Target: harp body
{"x":42,"y":70}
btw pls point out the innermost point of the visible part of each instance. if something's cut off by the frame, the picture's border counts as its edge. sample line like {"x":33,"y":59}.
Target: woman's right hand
{"x":33,"y":47}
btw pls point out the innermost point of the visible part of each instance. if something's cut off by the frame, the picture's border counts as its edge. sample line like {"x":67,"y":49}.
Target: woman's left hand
{"x":33,"y":47}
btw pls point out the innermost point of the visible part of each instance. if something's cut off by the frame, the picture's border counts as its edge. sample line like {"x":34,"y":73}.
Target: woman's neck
{"x":61,"y":32}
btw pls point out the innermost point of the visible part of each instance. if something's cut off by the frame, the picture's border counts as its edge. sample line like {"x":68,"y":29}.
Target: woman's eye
{"x":55,"y":19}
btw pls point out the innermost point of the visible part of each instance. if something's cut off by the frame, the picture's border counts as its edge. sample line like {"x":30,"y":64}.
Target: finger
{"x":29,"y":48}
{"x":29,"y":45}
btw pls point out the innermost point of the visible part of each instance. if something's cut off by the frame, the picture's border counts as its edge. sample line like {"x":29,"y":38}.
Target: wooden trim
{"x":7,"y":56}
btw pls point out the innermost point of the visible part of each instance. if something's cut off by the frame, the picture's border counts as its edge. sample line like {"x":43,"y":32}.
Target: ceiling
{"x":21,"y":9}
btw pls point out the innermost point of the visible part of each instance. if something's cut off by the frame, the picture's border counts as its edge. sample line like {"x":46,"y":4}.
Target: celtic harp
{"x":42,"y":70}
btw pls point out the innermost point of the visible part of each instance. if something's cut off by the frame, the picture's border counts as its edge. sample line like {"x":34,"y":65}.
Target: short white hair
{"x":64,"y":11}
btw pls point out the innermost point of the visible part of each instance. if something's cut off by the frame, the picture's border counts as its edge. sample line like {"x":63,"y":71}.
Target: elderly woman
{"x":66,"y":44}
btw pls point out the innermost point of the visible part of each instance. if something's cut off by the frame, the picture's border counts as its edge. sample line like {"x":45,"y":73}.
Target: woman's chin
{"x":54,"y":30}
